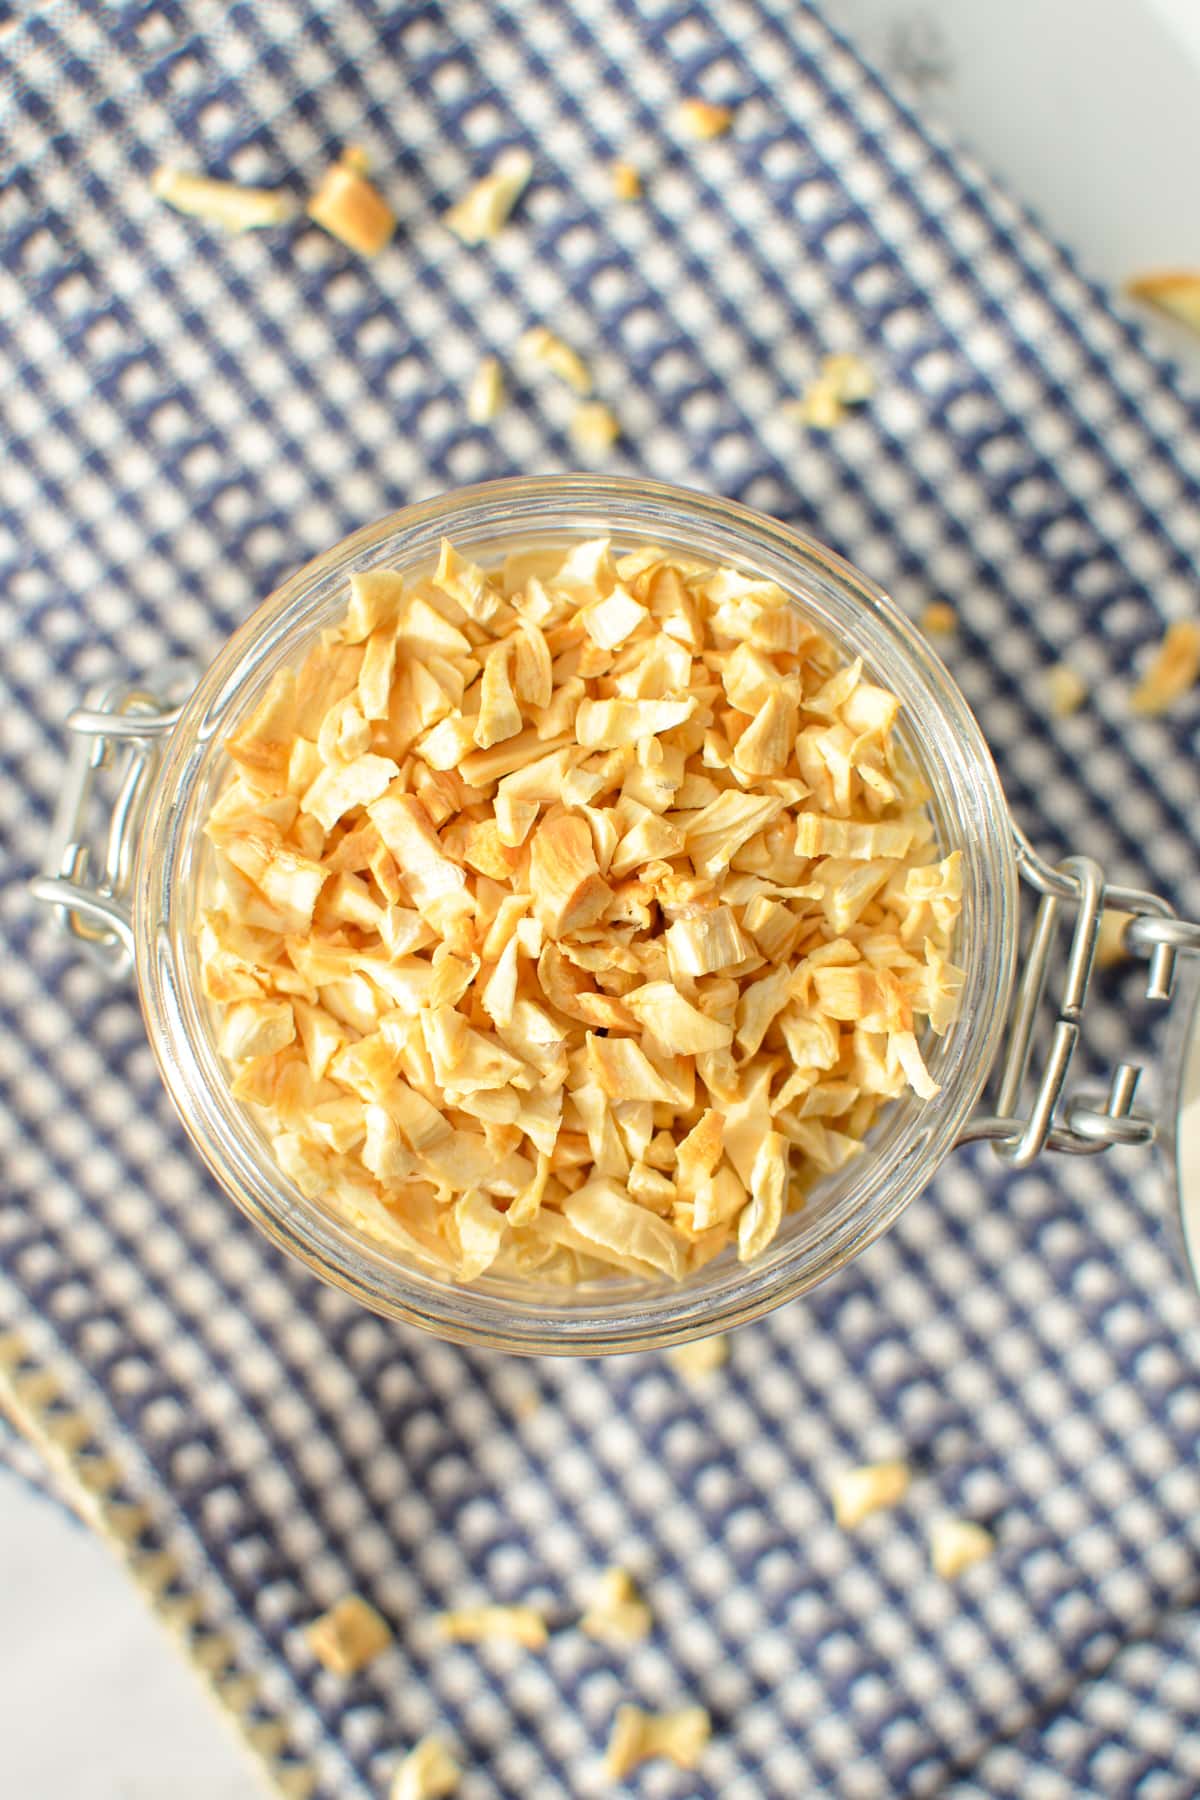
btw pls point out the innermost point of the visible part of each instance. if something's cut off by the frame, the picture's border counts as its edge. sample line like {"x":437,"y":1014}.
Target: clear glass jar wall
{"x":843,"y":1214}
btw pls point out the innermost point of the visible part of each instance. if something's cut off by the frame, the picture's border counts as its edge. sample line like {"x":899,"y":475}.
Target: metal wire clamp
{"x":115,"y":740}
{"x":1033,"y":1109}
{"x":116,"y":737}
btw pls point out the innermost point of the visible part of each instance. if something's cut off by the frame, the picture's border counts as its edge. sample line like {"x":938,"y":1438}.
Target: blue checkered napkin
{"x":188,"y":416}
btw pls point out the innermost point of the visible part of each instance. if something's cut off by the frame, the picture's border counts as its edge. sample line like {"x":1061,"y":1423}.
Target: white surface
{"x":93,"y":1709}
{"x":1089,"y":110}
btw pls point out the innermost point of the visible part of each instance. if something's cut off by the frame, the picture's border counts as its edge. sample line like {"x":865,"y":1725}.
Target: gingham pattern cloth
{"x":187,"y":416}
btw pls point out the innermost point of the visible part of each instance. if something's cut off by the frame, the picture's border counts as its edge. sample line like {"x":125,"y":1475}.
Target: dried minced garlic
{"x":224,"y":203}
{"x":348,"y":1636}
{"x":939,"y":619}
{"x":616,"y":1614}
{"x":1066,"y":690}
{"x":485,"y":396}
{"x":956,"y":1545}
{"x":638,"y":1736}
{"x":704,"y":118}
{"x":540,"y":345}
{"x":851,"y":379}
{"x":575,"y":915}
{"x":483,"y":1624}
{"x":1174,"y":291}
{"x":701,"y":1356}
{"x":1173,"y":669}
{"x":858,"y":1493}
{"x":428,"y":1772}
{"x":1110,"y":938}
{"x":351,"y":208}
{"x":844,"y":380}
{"x":484,"y":209}
{"x":594,"y":428}
{"x":626,"y":182}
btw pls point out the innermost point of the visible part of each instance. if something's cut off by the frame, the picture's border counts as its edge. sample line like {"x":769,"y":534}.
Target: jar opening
{"x":845,"y":1212}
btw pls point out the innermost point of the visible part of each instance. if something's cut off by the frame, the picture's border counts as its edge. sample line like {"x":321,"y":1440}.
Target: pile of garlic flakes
{"x":573,"y":914}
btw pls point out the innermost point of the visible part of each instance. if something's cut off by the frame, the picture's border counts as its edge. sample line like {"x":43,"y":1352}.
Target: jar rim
{"x":950,"y":750}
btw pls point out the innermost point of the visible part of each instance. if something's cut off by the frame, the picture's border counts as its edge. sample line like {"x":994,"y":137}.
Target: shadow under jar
{"x":181,"y":768}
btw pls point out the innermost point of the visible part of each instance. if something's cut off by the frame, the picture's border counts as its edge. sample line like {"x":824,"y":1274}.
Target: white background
{"x":1090,"y":110}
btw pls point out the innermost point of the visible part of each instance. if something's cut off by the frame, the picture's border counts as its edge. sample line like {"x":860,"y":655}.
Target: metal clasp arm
{"x":121,"y":726}
{"x":1078,"y":1124}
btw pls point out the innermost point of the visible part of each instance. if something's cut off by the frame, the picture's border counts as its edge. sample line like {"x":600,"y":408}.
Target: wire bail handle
{"x":119,"y":729}
{"x":1079,"y":1123}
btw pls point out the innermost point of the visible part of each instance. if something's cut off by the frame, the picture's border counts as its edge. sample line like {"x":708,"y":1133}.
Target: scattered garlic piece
{"x":851,"y":379}
{"x":1172,"y":671}
{"x":818,"y":407}
{"x":1110,"y":939}
{"x":540,"y":345}
{"x":594,"y":428}
{"x":844,"y":380}
{"x":482,"y":1624}
{"x":485,"y":396}
{"x":348,"y":1636}
{"x":939,"y":619}
{"x":484,"y":209}
{"x":704,"y":118}
{"x":350,"y":208}
{"x":224,"y":203}
{"x":859,"y":1492}
{"x":702,"y":1356}
{"x":956,"y":1545}
{"x":428,"y":1772}
{"x":616,"y":1613}
{"x":1173,"y":291}
{"x":1066,"y":690}
{"x":637,"y":1736}
{"x":627,"y":183}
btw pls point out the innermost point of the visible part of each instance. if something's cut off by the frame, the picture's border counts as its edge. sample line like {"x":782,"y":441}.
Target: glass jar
{"x":174,"y":766}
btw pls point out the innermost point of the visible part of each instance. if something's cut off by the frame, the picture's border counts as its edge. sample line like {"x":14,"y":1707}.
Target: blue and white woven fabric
{"x":187,"y":416}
